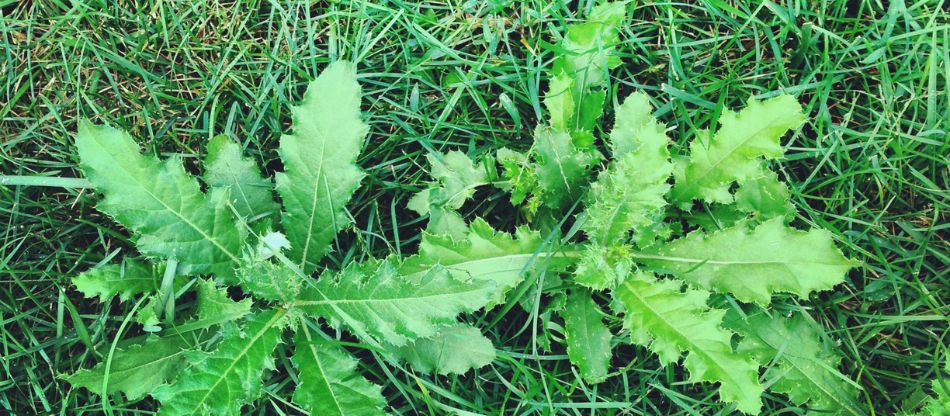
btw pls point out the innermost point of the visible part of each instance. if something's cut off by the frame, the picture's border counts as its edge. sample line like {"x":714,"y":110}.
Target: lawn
{"x":871,"y":165}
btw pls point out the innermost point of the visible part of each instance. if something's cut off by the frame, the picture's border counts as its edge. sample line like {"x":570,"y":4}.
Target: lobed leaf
{"x":629,"y":195}
{"x":563,"y":169}
{"x":804,"y":367}
{"x":249,"y":193}
{"x":137,"y":370}
{"x":482,"y":254}
{"x":670,"y":322}
{"x":393,"y":308}
{"x":520,"y":179}
{"x":126,"y":280}
{"x":456,"y":176}
{"x":576,"y":95}
{"x":221,"y":382}
{"x":765,"y":197}
{"x":327,"y":382}
{"x":214,"y":305}
{"x":160,"y":203}
{"x":320,"y":172}
{"x":454,"y":349}
{"x":736,"y":151}
{"x":267,"y":280}
{"x":601,"y":267}
{"x":752,"y":266}
{"x":586,"y":336}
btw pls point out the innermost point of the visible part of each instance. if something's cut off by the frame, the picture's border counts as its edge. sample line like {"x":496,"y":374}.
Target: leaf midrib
{"x":169,"y":208}
{"x":709,"y":360}
{"x":252,"y":341}
{"x":329,"y":301}
{"x":323,"y":374}
{"x":793,"y":360}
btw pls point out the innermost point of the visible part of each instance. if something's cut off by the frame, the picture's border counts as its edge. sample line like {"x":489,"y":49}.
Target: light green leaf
{"x":392,"y":308}
{"x":127,"y":279}
{"x":221,"y":382}
{"x":804,"y":367}
{"x":563,"y":170}
{"x":586,"y":336}
{"x":455,"y":349}
{"x":587,"y":53}
{"x":765,"y":197}
{"x":138,"y":369}
{"x":736,"y":151}
{"x":328,"y":383}
{"x":320,"y":172}
{"x":629,"y":195}
{"x":160,"y":203}
{"x":753,"y":265}
{"x":671,"y":321}
{"x":249,"y":192}
{"x":481,"y":254}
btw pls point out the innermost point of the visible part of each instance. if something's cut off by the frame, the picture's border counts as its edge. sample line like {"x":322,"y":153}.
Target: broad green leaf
{"x":765,"y":197}
{"x":629,"y":195}
{"x":482,"y":254}
{"x":126,"y":279}
{"x":160,"y":203}
{"x":328,"y":383}
{"x":267,"y":280}
{"x":753,"y":265}
{"x":390,"y":307}
{"x":670,"y":322}
{"x":137,"y":369}
{"x":587,"y":338}
{"x":576,"y":95}
{"x":563,"y":170}
{"x":250,"y":194}
{"x":737,"y":150}
{"x":455,"y":349}
{"x":320,"y":172}
{"x":804,"y":367}
{"x":222,"y":381}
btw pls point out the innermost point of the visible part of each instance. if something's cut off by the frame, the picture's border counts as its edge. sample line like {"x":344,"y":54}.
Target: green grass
{"x":871,"y":165}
